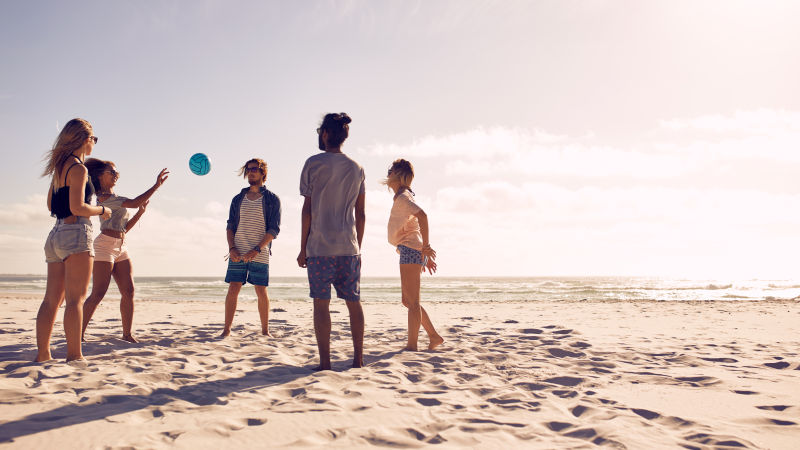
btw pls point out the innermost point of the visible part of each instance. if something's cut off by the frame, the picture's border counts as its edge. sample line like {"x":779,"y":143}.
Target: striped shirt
{"x":251,"y":229}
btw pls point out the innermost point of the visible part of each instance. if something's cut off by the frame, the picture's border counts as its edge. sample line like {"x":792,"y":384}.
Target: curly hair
{"x":261,"y":165}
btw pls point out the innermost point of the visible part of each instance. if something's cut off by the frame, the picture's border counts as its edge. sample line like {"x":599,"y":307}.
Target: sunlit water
{"x":459,"y":289}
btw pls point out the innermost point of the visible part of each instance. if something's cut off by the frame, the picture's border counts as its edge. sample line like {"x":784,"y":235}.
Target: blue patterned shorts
{"x":251,"y":272}
{"x":344,"y":272}
{"x":410,"y":256}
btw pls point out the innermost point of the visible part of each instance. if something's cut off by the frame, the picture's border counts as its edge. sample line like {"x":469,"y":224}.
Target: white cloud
{"x":32,"y":210}
{"x":759,"y":121}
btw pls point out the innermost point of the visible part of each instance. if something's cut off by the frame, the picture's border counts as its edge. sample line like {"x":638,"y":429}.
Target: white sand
{"x":534,"y":375}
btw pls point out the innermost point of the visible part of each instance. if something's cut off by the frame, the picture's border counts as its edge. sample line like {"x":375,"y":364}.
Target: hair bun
{"x":344,"y":118}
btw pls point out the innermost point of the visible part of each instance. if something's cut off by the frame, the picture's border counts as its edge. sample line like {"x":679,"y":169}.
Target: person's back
{"x":332,"y":229}
{"x":333,"y":182}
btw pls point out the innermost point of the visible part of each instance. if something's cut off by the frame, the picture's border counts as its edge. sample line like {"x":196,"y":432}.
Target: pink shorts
{"x":109,"y":249}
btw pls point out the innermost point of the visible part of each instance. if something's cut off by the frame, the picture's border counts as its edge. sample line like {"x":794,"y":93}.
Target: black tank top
{"x":59,"y":203}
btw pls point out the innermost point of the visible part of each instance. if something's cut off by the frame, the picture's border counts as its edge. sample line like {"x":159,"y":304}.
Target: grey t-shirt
{"x":333,"y":182}
{"x":119,"y":214}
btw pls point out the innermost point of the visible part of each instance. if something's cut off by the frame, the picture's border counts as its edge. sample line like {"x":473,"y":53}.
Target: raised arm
{"x":145,"y":196}
{"x":361,"y":218}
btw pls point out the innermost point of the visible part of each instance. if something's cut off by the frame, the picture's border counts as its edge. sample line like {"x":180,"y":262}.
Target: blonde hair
{"x":72,"y":137}
{"x":261,"y":165}
{"x":403,"y":171}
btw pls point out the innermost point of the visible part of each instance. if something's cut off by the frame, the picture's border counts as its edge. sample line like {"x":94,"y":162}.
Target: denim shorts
{"x":247,"y":272}
{"x":66,"y":239}
{"x":410,"y":256}
{"x":344,"y":272}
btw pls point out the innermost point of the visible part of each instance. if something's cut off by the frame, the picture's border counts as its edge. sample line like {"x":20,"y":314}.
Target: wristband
{"x":103,"y":211}
{"x":257,"y":249}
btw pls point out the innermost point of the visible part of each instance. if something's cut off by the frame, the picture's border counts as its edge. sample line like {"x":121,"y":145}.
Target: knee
{"x":127,"y":292}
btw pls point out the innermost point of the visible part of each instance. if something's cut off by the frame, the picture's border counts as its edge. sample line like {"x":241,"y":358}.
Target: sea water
{"x":463,"y":289}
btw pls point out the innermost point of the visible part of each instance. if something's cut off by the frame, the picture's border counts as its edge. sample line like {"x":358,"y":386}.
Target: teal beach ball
{"x":199,"y":164}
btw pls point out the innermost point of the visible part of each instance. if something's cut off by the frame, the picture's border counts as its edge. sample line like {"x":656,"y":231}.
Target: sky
{"x":549,"y":138}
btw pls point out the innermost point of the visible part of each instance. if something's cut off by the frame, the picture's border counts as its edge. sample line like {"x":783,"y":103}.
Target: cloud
{"x":759,"y":121}
{"x":32,"y":211}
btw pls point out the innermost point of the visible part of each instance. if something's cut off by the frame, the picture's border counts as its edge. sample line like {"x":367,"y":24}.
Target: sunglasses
{"x":252,"y":169}
{"x":93,"y":138}
{"x":113,"y":172}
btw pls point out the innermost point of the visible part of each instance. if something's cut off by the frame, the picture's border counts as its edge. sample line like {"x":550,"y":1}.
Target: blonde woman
{"x":111,"y":251}
{"x":408,"y":231}
{"x":68,"y":249}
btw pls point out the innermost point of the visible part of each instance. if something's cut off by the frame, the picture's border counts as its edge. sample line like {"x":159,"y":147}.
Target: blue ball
{"x":199,"y":164}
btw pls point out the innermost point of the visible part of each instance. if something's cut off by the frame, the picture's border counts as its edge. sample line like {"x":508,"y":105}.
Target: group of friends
{"x":333,"y":219}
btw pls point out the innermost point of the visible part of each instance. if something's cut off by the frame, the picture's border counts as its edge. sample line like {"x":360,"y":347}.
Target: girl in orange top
{"x":408,"y":231}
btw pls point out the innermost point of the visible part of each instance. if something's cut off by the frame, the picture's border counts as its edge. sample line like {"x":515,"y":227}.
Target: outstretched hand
{"x":143,"y":206}
{"x":162,"y":177}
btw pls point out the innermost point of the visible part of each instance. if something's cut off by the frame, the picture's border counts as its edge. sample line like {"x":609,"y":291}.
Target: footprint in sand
{"x":778,"y":365}
{"x":718,"y":441}
{"x":561,"y":353}
{"x":774,"y":407}
{"x":565,"y":381}
{"x":558,"y":426}
{"x":647,"y":414}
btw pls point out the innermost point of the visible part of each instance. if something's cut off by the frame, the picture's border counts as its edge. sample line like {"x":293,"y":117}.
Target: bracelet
{"x":257,"y":249}
{"x":104,"y":210}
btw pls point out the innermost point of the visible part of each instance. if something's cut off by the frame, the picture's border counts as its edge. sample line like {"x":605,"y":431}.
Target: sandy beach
{"x":534,"y":375}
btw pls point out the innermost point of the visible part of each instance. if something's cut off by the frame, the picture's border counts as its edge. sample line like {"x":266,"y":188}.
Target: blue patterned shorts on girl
{"x":410,"y":256}
{"x":344,"y":272}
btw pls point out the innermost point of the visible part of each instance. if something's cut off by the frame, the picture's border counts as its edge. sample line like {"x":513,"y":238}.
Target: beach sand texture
{"x":510,"y":375}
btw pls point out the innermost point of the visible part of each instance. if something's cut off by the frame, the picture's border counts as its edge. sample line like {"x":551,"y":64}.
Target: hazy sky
{"x":549,"y":137}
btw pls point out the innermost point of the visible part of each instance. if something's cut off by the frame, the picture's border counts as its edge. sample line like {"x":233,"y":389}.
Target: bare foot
{"x":225,"y":333}
{"x":43,"y":358}
{"x":129,"y":338}
{"x":320,"y":368}
{"x":409,"y":348}
{"x":75,"y":358}
{"x":358,"y":364}
{"x":266,"y":333}
{"x":435,"y":342}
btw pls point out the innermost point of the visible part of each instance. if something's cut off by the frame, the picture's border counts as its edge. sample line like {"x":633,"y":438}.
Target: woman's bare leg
{"x":101,"y":277}
{"x":123,"y":276}
{"x":53,"y":297}
{"x":78,"y":270}
{"x":410,"y":283}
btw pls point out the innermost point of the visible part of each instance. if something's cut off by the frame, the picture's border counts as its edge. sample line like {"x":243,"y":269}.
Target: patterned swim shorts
{"x":344,"y":272}
{"x":410,"y":256}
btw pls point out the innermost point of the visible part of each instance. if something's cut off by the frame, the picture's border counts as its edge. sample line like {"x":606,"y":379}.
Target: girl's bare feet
{"x":435,"y":342}
{"x":129,"y":338}
{"x":266,"y":333}
{"x":43,"y":358}
{"x":225,"y":333}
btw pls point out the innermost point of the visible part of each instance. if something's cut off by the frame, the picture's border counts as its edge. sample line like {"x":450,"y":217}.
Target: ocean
{"x":444,"y":289}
